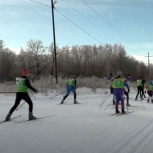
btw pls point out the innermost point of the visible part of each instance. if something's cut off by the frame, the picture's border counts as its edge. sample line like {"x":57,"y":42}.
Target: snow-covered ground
{"x":82,"y":128}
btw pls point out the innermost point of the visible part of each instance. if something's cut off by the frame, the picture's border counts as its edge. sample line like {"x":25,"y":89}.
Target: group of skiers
{"x":141,"y":86}
{"x":119,"y":88}
{"x":22,"y":93}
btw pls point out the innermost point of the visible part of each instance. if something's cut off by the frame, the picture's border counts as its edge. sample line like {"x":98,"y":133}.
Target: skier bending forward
{"x":71,"y":86}
{"x":119,"y":90}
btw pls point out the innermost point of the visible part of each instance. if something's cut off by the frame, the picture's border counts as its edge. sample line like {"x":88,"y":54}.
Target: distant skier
{"x":22,"y":94}
{"x":143,"y":86}
{"x":112,"y":88}
{"x":71,"y":87}
{"x":150,"y":91}
{"x":126,"y":92}
{"x":119,"y":90}
{"x":129,"y":78}
{"x":139,"y":88}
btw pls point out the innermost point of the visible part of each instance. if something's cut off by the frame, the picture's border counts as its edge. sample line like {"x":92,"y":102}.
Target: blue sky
{"x":21,"y":20}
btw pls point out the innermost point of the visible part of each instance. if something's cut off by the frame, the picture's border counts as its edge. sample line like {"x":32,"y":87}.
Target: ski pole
{"x":57,"y":95}
{"x":104,"y":101}
{"x":142,"y":104}
{"x":107,"y":105}
{"x":6,"y":92}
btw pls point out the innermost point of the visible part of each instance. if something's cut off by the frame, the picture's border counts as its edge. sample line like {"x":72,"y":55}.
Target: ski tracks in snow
{"x":136,"y":141}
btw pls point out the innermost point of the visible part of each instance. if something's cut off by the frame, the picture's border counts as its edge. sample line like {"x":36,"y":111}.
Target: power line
{"x":86,"y":18}
{"x":89,"y":20}
{"x":69,"y":20}
{"x":108,"y":22}
{"x":40,"y":3}
{"x":79,"y":27}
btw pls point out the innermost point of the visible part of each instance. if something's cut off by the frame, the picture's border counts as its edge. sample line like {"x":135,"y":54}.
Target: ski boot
{"x":123,"y":112}
{"x":62,"y":101}
{"x":75,"y":102}
{"x":8,"y":117}
{"x":117,"y":111}
{"x":148,"y":101}
{"x":152,"y":100}
{"x":31,"y":117}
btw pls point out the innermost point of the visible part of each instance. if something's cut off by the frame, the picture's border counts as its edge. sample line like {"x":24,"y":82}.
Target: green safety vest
{"x":72,"y":82}
{"x":113,"y":84}
{"x":119,"y":83}
{"x":21,"y":86}
{"x":150,"y":88}
{"x":139,"y":83}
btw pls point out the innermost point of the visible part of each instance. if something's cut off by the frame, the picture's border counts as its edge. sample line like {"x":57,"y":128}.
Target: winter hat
{"x":119,"y":73}
{"x":25,"y":72}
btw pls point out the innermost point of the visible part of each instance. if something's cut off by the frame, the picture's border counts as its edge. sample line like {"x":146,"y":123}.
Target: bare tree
{"x":34,"y":50}
{"x":84,"y":60}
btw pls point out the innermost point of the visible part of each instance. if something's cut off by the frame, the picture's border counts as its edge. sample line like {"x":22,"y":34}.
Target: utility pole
{"x":148,"y":66}
{"x":54,"y":38}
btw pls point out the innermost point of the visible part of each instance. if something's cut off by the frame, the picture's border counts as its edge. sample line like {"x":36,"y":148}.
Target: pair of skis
{"x":122,"y":114}
{"x":24,"y":120}
{"x":34,"y":119}
{"x":128,"y":107}
{"x":71,"y":103}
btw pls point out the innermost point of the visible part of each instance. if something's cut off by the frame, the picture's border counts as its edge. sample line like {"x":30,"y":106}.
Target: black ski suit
{"x":143,"y":92}
{"x":24,"y":96}
{"x":140,"y":91}
{"x":126,"y":92}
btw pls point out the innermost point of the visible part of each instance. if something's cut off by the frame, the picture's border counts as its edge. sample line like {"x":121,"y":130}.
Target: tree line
{"x":84,"y":60}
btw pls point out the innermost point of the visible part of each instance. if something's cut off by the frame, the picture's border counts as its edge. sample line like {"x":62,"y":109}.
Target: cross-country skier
{"x":126,"y":92}
{"x":143,"y":86}
{"x":71,"y":87}
{"x":22,"y":94}
{"x":139,"y":88}
{"x":150,"y":91}
{"x":119,"y":90}
{"x":112,"y":88}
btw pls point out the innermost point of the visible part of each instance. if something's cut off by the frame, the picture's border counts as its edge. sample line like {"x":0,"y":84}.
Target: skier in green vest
{"x":112,"y":87}
{"x":150,"y":91}
{"x":22,"y":94}
{"x":71,"y":87}
{"x":139,"y":88}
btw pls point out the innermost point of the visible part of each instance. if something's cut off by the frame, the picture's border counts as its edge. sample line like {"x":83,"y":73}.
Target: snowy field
{"x":82,"y":128}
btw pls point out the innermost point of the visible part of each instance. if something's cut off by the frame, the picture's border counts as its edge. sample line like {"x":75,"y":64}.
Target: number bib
{"x":22,"y":87}
{"x":119,"y":83}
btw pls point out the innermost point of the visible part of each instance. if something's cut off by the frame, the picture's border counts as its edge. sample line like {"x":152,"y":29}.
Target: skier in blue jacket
{"x":71,"y":87}
{"x":126,"y":92}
